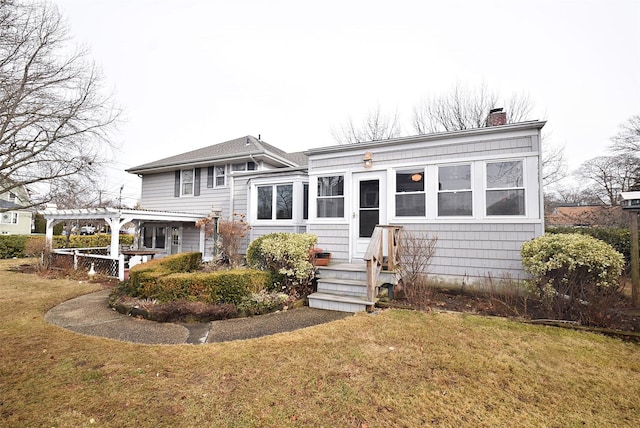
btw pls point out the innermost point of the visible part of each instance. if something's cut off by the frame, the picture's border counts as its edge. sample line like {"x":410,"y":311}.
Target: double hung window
{"x":330,"y":201}
{"x":454,"y":191}
{"x":410,"y":193}
{"x":505,"y":188}
{"x":154,"y":237}
{"x":187,"y":182}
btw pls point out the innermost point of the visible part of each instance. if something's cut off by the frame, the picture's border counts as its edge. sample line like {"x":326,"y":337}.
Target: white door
{"x":368,"y":209}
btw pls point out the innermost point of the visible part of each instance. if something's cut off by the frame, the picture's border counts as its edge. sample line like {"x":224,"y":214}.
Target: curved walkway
{"x":90,"y":314}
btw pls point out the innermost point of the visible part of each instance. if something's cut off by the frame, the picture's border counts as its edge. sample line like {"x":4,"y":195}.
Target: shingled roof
{"x":240,"y":147}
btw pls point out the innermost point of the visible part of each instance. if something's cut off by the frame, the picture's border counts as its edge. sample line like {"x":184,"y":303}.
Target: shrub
{"x":13,"y":245}
{"x":571,"y":273}
{"x":619,"y":239}
{"x":287,"y":257}
{"x":231,"y":236}
{"x":183,"y":310}
{"x":263,"y":302}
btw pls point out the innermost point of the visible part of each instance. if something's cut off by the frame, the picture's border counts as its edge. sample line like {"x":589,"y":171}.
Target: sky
{"x":192,"y":73}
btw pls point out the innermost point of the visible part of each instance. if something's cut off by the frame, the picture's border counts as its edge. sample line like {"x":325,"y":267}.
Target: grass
{"x":396,"y":368}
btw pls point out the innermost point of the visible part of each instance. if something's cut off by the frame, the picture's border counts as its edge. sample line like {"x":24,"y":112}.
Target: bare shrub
{"x":416,"y":252}
{"x":509,"y":295}
{"x":37,"y":247}
{"x":232,"y":234}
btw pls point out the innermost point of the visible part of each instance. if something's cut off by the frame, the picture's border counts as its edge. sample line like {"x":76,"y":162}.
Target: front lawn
{"x":394,"y":368}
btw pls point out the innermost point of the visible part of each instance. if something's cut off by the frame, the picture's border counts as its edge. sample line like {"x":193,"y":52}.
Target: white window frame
{"x":487,"y":189}
{"x":326,"y":197}
{"x":274,"y":201}
{"x":12,"y":197}
{"x":14,"y":218}
{"x":183,"y":182}
{"x":216,"y":175}
{"x":423,"y":192}
{"x":470,"y":190}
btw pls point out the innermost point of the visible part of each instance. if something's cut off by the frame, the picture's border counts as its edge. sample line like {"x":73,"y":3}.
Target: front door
{"x":368,"y":210}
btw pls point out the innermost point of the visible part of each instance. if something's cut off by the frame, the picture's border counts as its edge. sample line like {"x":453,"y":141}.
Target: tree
{"x":627,"y":140}
{"x":375,"y":126}
{"x":55,"y":121}
{"x":464,"y":108}
{"x":610,"y":175}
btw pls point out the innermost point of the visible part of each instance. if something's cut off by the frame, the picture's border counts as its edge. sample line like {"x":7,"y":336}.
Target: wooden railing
{"x":380,"y":256}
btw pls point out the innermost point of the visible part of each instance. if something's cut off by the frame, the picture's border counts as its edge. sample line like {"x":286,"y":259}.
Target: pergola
{"x":116,"y":219}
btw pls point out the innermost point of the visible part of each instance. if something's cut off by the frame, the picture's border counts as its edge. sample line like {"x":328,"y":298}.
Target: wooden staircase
{"x":352,"y":287}
{"x":343,"y":287}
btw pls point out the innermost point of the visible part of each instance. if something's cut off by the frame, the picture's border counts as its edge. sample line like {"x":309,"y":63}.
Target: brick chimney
{"x":496,"y":117}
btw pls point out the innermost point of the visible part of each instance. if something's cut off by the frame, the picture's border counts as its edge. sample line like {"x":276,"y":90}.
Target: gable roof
{"x":243,"y":147}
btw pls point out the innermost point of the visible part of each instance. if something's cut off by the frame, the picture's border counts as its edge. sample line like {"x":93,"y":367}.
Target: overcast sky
{"x":191,"y":73}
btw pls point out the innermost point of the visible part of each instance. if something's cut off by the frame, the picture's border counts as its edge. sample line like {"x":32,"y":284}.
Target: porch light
{"x":368,"y":160}
{"x":416,"y":177}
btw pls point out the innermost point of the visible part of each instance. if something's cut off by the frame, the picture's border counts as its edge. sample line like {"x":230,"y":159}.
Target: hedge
{"x":89,"y":241}
{"x":173,"y":278}
{"x":13,"y":245}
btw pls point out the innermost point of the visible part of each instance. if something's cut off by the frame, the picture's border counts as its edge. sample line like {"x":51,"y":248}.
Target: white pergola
{"x":116,"y":219}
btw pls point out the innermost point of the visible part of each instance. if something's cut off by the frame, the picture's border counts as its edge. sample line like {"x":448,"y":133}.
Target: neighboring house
{"x":586,"y":216}
{"x":479,"y":191}
{"x":14,"y":218}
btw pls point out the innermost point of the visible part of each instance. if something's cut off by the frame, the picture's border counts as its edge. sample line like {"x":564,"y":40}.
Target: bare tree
{"x":374,"y":127}
{"x":627,"y":140}
{"x":54,"y":119}
{"x":610,"y":175}
{"x":464,"y":108}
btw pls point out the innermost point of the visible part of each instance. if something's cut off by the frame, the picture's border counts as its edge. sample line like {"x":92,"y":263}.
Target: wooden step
{"x":349,"y":287}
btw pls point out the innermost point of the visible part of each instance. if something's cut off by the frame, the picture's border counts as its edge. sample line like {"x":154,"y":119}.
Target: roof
{"x":534,"y":124}
{"x":585,"y":216}
{"x":243,"y":147}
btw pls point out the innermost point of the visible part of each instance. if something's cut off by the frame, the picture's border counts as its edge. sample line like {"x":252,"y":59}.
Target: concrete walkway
{"x":90,"y":314}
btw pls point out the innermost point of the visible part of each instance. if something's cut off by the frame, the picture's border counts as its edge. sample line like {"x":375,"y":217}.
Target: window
{"x":220,"y":172}
{"x":410,"y":195}
{"x":154,"y":237}
{"x":330,"y":202}
{"x":281,"y":199}
{"x":244,"y":166}
{"x":454,"y":191}
{"x":14,"y":218}
{"x":505,"y":188}
{"x":187,"y":182}
{"x":12,"y":197}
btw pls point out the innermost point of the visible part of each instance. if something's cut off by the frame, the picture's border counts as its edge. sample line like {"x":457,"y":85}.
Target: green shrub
{"x":286,"y":256}
{"x":569,"y":272}
{"x":619,"y":239}
{"x":89,"y":241}
{"x":143,"y":278}
{"x":13,"y":246}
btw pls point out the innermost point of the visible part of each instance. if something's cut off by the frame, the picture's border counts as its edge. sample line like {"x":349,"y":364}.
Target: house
{"x":15,"y":219}
{"x":478,"y":190}
{"x":586,"y":216}
{"x":235,"y":176}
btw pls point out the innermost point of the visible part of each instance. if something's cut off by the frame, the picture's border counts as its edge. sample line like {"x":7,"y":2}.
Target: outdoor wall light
{"x":367,"y":159}
{"x":416,"y":177}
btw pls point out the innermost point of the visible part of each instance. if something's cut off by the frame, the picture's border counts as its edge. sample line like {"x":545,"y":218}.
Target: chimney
{"x":496,"y":117}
